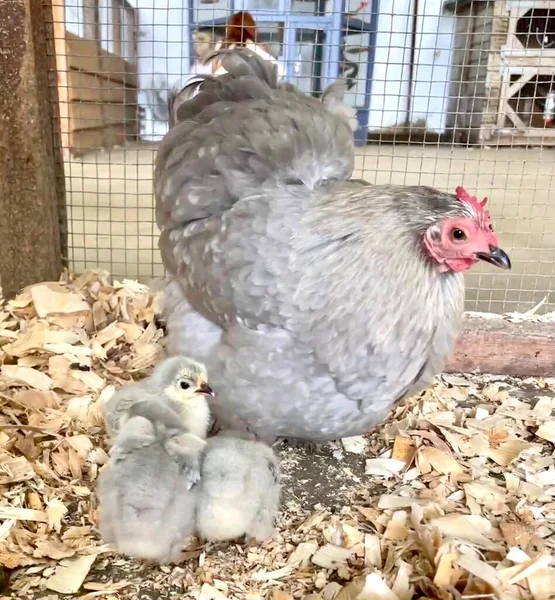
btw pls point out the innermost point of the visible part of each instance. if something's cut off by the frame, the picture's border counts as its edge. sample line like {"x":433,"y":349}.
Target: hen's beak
{"x":204,"y":388}
{"x":495,"y":257}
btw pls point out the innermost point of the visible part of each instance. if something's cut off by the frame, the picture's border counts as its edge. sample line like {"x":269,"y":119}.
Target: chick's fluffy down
{"x":239,"y":490}
{"x":145,"y":507}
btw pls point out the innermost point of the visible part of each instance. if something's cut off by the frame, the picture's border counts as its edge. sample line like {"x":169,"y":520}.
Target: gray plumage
{"x":309,"y":296}
{"x":145,"y":506}
{"x":239,"y":489}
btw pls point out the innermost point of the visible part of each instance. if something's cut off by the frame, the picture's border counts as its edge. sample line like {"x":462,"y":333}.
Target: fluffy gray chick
{"x":177,"y":383}
{"x":145,"y":506}
{"x":239,"y":489}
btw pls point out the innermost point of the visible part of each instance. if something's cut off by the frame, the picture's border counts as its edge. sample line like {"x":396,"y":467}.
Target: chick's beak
{"x":204,"y":388}
{"x":495,"y":257}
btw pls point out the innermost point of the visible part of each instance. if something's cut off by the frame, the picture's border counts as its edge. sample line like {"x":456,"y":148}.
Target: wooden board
{"x":101,"y":96}
{"x":86,"y":55}
{"x":500,"y":347}
{"x":90,"y":115}
{"x":94,"y":88}
{"x":85,"y":140}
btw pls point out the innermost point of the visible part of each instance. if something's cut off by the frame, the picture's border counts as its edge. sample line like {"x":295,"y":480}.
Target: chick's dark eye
{"x":490,"y":227}
{"x":458,"y":234}
{"x":184,"y":385}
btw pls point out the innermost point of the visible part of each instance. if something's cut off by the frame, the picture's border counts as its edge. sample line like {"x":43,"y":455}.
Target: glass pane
{"x":106,"y":25}
{"x":74,"y":17}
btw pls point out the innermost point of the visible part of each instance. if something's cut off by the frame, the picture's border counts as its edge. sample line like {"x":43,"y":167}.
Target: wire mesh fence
{"x":448,"y":93}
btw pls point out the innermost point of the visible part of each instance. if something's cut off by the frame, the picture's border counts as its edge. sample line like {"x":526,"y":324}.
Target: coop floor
{"x":451,"y":498}
{"x":111,"y":211}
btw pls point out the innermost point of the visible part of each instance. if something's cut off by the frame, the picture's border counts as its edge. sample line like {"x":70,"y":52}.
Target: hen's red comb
{"x":462,"y":195}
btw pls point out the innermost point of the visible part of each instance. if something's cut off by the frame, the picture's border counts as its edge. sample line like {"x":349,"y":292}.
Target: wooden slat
{"x":500,"y":347}
{"x":86,"y":55}
{"x":543,"y":62}
{"x":106,"y":137}
{"x":84,"y":115}
{"x":93,"y":88}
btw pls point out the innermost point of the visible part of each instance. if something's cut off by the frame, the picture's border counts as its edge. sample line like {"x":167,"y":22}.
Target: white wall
{"x":389,"y":104}
{"x":163,"y":59}
{"x":435,"y":40}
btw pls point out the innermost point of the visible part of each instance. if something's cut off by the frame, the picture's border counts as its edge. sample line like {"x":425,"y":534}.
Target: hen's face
{"x":457,"y":243}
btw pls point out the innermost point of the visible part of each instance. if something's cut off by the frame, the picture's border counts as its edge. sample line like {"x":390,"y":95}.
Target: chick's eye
{"x":458,"y":234}
{"x":184,"y":385}
{"x":490,"y":227}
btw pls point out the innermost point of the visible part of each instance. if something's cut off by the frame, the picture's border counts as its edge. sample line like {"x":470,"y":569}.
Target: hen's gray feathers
{"x":239,"y":491}
{"x":290,"y":282}
{"x":145,"y":507}
{"x":252,"y":131}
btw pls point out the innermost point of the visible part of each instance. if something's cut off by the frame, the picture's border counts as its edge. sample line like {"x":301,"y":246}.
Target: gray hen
{"x":238,"y":492}
{"x":283,"y":270}
{"x":146,"y":508}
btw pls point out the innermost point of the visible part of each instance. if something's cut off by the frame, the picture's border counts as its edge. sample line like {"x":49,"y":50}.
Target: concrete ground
{"x":111,"y":211}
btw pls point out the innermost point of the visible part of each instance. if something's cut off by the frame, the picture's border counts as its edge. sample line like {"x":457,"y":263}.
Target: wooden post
{"x":32,"y":218}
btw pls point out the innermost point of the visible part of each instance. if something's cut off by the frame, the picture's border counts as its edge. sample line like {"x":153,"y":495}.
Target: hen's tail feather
{"x":239,"y":130}
{"x":333,"y":99}
{"x":241,"y":64}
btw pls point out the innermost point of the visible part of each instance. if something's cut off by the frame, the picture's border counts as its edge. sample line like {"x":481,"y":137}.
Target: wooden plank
{"x":90,"y":19}
{"x":30,"y":203}
{"x":543,"y":63}
{"x":500,"y":347}
{"x":89,"y":115}
{"x":86,"y":55}
{"x":83,"y":54}
{"x":106,"y":137}
{"x":93,"y":88}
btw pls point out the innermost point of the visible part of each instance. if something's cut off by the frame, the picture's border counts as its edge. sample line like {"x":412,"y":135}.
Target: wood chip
{"x":48,"y":301}
{"x":70,"y":574}
{"x":457,"y":500}
{"x":27,"y":376}
{"x":355,"y":445}
{"x":546,"y":431}
{"x":384,"y":467}
{"x":331,"y":556}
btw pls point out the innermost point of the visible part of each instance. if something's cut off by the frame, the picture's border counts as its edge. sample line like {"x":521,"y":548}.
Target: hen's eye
{"x":458,"y":234}
{"x":184,"y":385}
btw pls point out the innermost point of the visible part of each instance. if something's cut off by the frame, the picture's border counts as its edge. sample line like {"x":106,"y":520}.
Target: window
{"x":127,"y":20}
{"x":73,"y":15}
{"x":105,"y":16}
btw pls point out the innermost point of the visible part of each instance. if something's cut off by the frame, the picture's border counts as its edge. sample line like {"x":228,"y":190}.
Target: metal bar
{"x":335,"y":40}
{"x":361,"y":134}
